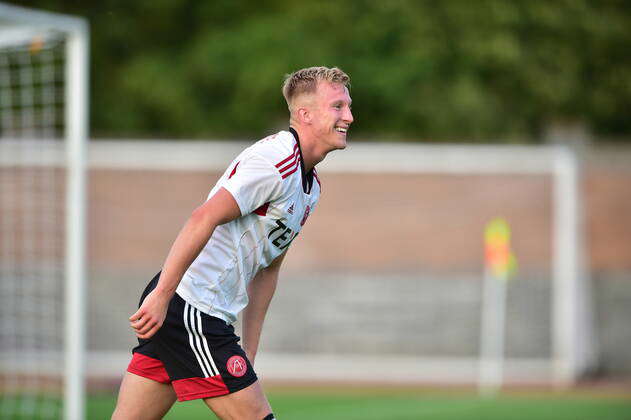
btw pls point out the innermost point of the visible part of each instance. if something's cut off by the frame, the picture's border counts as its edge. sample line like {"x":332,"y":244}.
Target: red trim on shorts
{"x":196,"y":388}
{"x":148,"y":367}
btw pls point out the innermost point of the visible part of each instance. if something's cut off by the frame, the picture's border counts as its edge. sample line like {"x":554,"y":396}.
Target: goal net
{"x":42,"y":133}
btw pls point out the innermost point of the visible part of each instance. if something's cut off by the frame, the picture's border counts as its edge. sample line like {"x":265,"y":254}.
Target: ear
{"x":304,"y":115}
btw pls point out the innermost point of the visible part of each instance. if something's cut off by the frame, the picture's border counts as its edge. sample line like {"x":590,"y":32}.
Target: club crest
{"x":237,"y":366}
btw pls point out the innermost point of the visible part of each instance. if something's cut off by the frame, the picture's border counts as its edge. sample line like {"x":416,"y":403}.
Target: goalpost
{"x":43,"y":135}
{"x":550,"y":337}
{"x":387,"y":284}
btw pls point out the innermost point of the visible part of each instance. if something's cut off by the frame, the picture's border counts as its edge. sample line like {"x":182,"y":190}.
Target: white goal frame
{"x":29,"y":22}
{"x":573,"y":348}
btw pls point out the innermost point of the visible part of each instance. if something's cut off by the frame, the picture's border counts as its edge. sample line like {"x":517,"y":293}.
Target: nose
{"x":348,"y":115}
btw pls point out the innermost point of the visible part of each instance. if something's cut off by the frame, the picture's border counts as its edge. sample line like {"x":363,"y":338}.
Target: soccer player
{"x":226,"y":259}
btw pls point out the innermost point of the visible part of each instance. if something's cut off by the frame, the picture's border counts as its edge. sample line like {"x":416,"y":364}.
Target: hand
{"x":149,"y":317}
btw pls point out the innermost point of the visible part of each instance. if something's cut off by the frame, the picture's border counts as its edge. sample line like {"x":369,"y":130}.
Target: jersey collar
{"x":307,"y":177}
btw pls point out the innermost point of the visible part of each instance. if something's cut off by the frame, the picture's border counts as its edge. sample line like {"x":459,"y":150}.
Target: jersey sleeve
{"x":253,"y":182}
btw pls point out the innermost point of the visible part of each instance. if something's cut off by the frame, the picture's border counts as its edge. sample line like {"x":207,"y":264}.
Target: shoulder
{"x":280,"y":150}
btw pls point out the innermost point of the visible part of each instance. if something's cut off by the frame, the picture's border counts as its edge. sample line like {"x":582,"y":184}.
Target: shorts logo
{"x":236,"y":366}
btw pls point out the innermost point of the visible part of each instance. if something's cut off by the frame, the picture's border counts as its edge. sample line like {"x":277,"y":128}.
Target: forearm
{"x":150,"y":316}
{"x":221,"y":208}
{"x":186,"y":247}
{"x":260,"y":291}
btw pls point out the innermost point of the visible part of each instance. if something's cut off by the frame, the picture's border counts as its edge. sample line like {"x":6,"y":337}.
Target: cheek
{"x":327,"y":121}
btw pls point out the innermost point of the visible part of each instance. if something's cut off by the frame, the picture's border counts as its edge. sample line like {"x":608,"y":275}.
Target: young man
{"x":226,"y":259}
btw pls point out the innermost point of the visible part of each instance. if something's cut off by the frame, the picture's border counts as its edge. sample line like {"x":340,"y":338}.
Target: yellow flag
{"x":498,"y":255}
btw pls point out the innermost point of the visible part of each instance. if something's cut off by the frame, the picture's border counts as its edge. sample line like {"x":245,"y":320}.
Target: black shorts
{"x":199,"y":355}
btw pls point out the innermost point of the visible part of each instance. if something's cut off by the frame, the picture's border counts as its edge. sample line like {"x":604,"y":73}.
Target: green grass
{"x":352,"y":403}
{"x":306,"y":404}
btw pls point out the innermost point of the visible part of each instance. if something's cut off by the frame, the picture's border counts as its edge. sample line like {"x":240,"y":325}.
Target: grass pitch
{"x":366,"y":404}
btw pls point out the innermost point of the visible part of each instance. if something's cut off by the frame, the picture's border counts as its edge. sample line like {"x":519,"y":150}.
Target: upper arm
{"x":219,"y":209}
{"x":275,"y":265}
{"x":253,"y":182}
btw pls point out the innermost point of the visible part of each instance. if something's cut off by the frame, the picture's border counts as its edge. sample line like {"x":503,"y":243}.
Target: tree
{"x":443,"y":70}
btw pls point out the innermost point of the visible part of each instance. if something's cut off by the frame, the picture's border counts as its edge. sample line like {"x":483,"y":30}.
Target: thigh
{"x":248,"y":403}
{"x":141,"y":398}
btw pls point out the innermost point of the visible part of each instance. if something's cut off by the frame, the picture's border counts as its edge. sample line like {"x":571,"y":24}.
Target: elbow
{"x":198,"y":215}
{"x":201,"y":216}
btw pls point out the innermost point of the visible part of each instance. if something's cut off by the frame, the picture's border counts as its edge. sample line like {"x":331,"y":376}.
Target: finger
{"x":137,"y":315}
{"x":139,"y":324}
{"x":154,"y":330}
{"x":147,"y":327}
{"x":149,"y":333}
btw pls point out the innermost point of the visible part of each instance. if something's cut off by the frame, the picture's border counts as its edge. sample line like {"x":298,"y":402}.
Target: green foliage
{"x":440,"y":70}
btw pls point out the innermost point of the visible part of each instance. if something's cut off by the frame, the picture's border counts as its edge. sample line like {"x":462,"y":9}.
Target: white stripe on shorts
{"x":207,"y":350}
{"x":194,"y":341}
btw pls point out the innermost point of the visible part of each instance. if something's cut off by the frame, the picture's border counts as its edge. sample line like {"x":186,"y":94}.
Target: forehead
{"x":330,"y":92}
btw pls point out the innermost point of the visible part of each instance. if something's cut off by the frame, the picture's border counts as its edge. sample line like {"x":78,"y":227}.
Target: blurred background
{"x":464,"y":112}
{"x":488,"y":71}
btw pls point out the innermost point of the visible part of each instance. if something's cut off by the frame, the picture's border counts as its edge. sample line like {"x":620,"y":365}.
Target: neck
{"x":311,"y":155}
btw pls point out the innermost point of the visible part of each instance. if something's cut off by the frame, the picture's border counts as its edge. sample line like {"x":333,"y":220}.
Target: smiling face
{"x":331,"y":115}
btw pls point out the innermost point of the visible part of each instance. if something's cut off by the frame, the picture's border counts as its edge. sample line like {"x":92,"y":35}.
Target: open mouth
{"x":341,"y":129}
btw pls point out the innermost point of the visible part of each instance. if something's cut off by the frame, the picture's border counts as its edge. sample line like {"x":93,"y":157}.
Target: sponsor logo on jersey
{"x":290,"y":210}
{"x":282,"y":235}
{"x":236,"y":366}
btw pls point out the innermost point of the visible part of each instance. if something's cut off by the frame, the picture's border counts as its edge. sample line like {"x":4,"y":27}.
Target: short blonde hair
{"x":306,"y":81}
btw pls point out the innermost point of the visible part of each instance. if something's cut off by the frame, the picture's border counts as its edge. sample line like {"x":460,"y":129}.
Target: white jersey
{"x":275,"y":197}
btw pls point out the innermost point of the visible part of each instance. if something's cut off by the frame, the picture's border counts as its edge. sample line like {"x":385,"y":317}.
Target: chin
{"x":335,"y":143}
{"x":339,"y":145}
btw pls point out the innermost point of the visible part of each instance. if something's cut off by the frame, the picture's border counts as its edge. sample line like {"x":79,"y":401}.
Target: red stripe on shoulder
{"x":290,"y":164}
{"x":234,"y":170}
{"x":286,"y":174}
{"x":262,"y":211}
{"x":282,"y":162}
